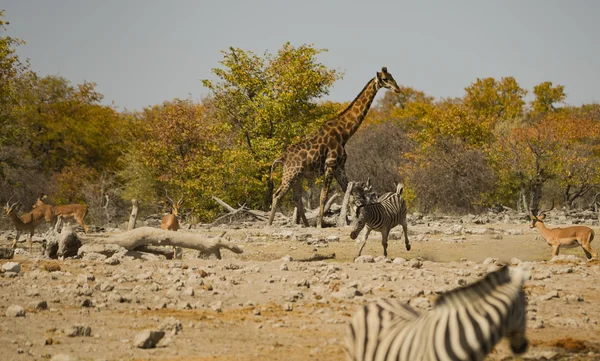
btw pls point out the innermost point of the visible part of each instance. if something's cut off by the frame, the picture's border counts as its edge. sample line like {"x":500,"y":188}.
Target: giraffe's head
{"x":386,"y":80}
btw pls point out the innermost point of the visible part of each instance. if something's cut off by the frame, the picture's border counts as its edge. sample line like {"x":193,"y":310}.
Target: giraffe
{"x":323,"y":153}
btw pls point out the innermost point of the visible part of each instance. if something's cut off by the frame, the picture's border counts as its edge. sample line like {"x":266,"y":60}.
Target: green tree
{"x":11,"y":68}
{"x":546,"y":96}
{"x":490,"y":98}
{"x":269,"y":103}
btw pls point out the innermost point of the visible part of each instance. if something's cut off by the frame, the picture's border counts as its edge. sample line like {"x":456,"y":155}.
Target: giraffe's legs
{"x":340,"y":176}
{"x":298,"y":202}
{"x":279,"y":193}
{"x":323,"y":199}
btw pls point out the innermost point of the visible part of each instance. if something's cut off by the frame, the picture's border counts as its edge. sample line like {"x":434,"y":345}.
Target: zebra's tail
{"x":399,"y":188}
{"x":520,"y":274}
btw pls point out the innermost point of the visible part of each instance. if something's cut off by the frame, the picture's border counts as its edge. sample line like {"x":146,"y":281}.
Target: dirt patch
{"x":569,"y":344}
{"x":259,"y":305}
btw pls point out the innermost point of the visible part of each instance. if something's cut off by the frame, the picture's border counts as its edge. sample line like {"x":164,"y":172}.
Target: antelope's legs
{"x":555,"y":250}
{"x":589,"y":252}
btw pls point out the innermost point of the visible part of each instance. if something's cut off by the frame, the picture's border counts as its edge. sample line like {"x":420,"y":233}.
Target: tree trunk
{"x":344,"y":210}
{"x":145,"y":236}
{"x":134,"y":214}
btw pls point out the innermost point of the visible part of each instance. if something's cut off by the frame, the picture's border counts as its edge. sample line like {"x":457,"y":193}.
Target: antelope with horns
{"x":26,"y":223}
{"x":170,"y":222}
{"x":568,"y":237}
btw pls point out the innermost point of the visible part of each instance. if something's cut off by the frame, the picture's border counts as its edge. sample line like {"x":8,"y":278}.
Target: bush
{"x":377,"y":151}
{"x":451,"y":179}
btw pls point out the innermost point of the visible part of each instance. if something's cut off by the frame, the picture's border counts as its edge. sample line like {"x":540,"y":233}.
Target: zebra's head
{"x":359,"y":222}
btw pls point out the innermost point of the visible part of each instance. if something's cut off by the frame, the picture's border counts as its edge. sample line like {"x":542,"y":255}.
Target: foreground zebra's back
{"x":465,"y":324}
{"x":369,"y":321}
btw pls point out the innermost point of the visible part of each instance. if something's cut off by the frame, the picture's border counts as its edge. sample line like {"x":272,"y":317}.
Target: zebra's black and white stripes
{"x":464,"y":324}
{"x":381,"y":216}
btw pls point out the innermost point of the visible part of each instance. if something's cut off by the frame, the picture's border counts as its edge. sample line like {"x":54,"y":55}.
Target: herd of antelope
{"x":42,"y":212}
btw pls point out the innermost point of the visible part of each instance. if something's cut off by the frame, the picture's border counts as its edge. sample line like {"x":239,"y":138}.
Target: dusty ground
{"x":259,"y":306}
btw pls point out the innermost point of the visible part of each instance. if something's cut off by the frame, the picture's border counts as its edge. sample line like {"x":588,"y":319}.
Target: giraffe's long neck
{"x":351,"y":118}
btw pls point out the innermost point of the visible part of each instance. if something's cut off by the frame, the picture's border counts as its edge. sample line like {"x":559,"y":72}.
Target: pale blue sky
{"x":142,"y":53}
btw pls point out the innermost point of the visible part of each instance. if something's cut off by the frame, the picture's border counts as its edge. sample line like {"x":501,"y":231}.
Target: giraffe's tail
{"x":278,"y":160}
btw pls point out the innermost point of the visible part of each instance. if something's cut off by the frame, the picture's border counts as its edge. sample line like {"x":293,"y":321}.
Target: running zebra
{"x":381,"y":216}
{"x":465,"y":323}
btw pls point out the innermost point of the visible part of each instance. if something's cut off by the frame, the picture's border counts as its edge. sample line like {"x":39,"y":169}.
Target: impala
{"x":569,"y":237}
{"x":46,"y":209}
{"x":66,"y":211}
{"x":25,"y":223}
{"x":170,"y":222}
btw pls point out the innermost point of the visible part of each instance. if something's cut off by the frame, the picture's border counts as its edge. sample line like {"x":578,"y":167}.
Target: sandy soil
{"x":259,"y":306}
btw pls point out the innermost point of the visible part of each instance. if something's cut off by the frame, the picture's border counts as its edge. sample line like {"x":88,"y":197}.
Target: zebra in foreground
{"x":381,"y":216}
{"x":465,"y":323}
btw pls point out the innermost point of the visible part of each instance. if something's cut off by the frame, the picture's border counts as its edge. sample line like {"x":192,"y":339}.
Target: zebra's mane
{"x":479,"y":289}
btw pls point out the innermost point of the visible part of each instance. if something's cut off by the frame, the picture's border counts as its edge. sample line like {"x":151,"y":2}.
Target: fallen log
{"x":258,"y":215}
{"x":145,"y":236}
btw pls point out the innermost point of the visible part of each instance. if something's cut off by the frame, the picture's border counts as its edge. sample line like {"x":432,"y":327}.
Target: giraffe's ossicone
{"x":323,"y":153}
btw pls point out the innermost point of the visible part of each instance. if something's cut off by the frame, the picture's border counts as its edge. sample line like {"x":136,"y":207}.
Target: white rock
{"x":399,"y":260}
{"x":147,"y":338}
{"x":11,"y":267}
{"x":15,"y":311}
{"x":364,"y":259}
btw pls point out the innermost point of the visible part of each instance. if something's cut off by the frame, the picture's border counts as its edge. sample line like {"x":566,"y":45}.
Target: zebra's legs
{"x":406,"y":241}
{"x":384,"y":241}
{"x":362,"y":245}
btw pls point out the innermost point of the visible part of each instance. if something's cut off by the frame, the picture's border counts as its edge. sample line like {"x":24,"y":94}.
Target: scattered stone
{"x":399,"y":260}
{"x":489,"y":261}
{"x":287,"y":258}
{"x":63,"y":357}
{"x":284,"y":267}
{"x":217,"y":306}
{"x":39,"y":305}
{"x":382,"y":259}
{"x":364,"y":259}
{"x":415,"y":263}
{"x":541,"y":275}
{"x":548,"y":296}
{"x":515,"y":261}
{"x":574,"y":298}
{"x":112,"y":261}
{"x":6,"y":253}
{"x":79,"y":330}
{"x":288,"y":307}
{"x":11,"y":267}
{"x":147,"y":338}
{"x":513,"y":232}
{"x":15,"y":311}
{"x":171,"y":325}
